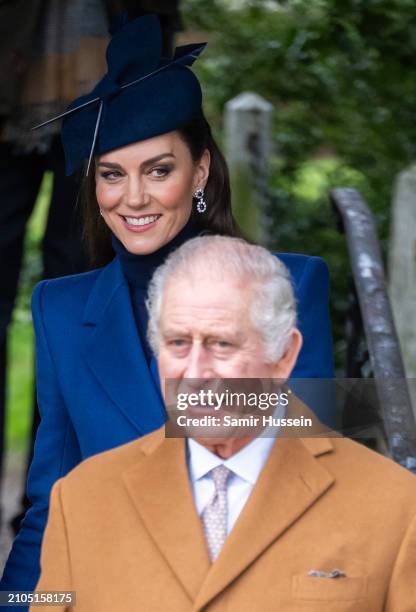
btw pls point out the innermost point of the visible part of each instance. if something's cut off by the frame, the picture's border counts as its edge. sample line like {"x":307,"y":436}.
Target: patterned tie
{"x":214,"y":516}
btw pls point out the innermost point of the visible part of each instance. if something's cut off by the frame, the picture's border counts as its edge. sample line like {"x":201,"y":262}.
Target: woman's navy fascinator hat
{"x":141,"y":96}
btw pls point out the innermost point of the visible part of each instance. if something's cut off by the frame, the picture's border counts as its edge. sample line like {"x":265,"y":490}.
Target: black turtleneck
{"x":139,"y":269}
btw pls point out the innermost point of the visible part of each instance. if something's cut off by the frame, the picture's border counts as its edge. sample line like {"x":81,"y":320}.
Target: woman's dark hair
{"x":218,"y":218}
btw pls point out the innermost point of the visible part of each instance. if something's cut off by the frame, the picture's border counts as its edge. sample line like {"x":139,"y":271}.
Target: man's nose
{"x":199,"y":363}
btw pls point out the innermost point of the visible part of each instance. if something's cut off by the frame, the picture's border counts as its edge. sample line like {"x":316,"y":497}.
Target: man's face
{"x":206,"y":332}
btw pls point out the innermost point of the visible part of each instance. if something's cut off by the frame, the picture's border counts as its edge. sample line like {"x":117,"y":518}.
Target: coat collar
{"x":293,"y":474}
{"x":114,"y":353}
{"x":109,"y":280}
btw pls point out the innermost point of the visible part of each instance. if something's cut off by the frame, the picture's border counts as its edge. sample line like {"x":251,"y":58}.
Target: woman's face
{"x":144,"y":190}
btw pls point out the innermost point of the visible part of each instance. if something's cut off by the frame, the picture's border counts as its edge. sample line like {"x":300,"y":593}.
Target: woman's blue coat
{"x":94,"y":387}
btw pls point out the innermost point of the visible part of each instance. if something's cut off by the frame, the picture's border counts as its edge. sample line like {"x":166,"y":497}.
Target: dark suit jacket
{"x":95,"y":390}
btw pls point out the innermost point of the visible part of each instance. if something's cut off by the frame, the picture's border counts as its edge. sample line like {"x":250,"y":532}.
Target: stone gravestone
{"x":402,"y":270}
{"x":248,"y":146}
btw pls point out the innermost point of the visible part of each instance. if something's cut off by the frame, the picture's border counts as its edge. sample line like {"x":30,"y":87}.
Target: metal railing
{"x":357,"y":222}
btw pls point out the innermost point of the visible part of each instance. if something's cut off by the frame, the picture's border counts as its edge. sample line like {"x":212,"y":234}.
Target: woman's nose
{"x":136,"y":195}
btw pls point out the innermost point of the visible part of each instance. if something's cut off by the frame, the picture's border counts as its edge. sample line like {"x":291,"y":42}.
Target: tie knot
{"x":220,"y":476}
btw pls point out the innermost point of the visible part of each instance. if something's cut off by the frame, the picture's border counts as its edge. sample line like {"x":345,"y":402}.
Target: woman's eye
{"x":111,"y":175}
{"x":160,"y":171}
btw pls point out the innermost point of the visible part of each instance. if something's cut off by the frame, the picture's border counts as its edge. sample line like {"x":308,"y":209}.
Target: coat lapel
{"x":114,"y":354}
{"x":160,"y":489}
{"x":291,"y":482}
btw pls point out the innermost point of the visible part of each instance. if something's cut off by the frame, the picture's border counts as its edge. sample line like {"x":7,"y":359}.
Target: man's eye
{"x":177,"y":342}
{"x":221,"y":344}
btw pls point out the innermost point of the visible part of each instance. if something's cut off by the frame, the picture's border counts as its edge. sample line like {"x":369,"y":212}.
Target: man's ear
{"x":286,"y":363}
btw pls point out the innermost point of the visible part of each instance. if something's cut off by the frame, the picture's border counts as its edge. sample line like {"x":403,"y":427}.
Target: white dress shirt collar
{"x":246,"y":463}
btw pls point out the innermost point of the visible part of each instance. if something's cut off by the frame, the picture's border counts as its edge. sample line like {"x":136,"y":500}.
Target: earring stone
{"x":201,"y":204}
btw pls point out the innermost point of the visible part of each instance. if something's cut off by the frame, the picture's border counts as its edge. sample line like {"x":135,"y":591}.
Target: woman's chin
{"x":141,"y":244}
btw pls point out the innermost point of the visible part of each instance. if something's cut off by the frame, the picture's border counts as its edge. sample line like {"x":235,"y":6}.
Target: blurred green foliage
{"x":20,"y":373}
{"x":342,"y":80}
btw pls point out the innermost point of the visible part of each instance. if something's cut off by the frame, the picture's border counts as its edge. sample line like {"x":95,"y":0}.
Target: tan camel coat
{"x":123,"y":533}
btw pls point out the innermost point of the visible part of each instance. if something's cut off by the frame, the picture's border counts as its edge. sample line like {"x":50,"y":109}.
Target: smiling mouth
{"x":141,"y":221}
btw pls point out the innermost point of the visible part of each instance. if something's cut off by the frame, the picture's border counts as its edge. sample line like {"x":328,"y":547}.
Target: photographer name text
{"x":248,"y":421}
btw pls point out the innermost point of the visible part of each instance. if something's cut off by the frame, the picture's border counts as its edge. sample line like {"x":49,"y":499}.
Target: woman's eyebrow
{"x":108,"y":165}
{"x":147,"y":162}
{"x":155,"y":159}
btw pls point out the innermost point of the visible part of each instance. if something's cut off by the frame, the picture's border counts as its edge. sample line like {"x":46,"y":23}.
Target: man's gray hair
{"x":273,"y":309}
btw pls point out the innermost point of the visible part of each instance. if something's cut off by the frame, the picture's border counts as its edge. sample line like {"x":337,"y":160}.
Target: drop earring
{"x":201,"y":204}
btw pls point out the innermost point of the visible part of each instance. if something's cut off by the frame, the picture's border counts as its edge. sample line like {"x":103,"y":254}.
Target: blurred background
{"x":335,"y":102}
